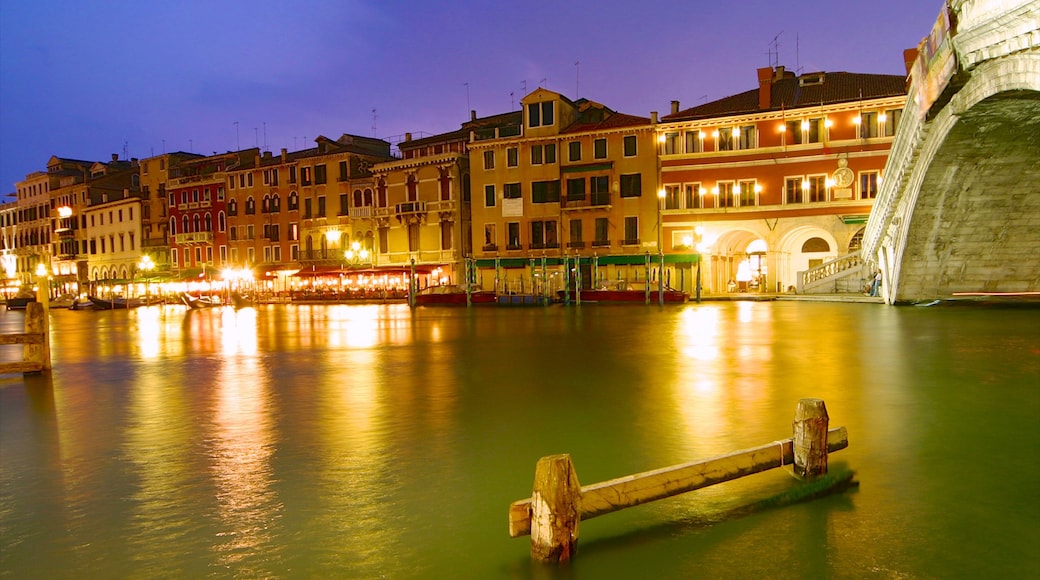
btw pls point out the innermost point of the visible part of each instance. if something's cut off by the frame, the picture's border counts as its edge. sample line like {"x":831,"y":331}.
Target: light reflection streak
{"x":247,"y":504}
{"x":357,"y":465}
{"x":148,"y":331}
{"x":238,"y":331}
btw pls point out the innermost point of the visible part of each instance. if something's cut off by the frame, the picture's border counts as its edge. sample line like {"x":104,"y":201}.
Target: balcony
{"x":410,"y":207}
{"x":600,"y":243}
{"x":490,"y":247}
{"x":575,"y":245}
{"x":193,"y":238}
{"x":595,"y":200}
{"x":361,"y":212}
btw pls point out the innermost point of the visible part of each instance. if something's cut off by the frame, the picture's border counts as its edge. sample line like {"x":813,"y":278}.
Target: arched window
{"x":357,"y":198}
{"x":814,"y":245}
{"x":232,"y":207}
{"x":221,"y":222}
{"x":276,"y":203}
{"x":413,"y":188}
{"x":381,"y":190}
{"x":173,"y":226}
{"x":197,"y":223}
{"x":267,"y":204}
{"x":294,"y":201}
{"x":209,"y":223}
{"x":250,"y":206}
{"x":184,"y":225}
{"x":368,"y":197}
{"x":856,"y":243}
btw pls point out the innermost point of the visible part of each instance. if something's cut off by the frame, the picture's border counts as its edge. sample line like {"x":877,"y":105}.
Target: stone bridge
{"x":958,"y":211}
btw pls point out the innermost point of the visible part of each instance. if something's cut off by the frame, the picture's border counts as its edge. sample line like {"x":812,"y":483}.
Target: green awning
{"x":589,"y":167}
{"x":614,"y":260}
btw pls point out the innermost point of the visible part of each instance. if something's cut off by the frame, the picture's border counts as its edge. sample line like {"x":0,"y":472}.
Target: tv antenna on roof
{"x":577,"y":79}
{"x":374,"y":116}
{"x":774,"y":51}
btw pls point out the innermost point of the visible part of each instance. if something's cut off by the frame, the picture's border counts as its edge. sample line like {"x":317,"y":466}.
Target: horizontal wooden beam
{"x":20,"y":367}
{"x":22,"y":338}
{"x":632,"y":490}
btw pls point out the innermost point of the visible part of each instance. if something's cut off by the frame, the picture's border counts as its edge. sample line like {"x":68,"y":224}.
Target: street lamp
{"x":660,"y":247}
{"x":146,"y":265}
{"x":356,"y":254}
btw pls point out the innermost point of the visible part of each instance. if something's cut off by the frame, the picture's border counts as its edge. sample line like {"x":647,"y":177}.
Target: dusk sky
{"x":88,"y":79}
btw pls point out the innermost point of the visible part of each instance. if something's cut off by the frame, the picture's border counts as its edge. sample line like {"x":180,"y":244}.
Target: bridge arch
{"x":964,"y":222}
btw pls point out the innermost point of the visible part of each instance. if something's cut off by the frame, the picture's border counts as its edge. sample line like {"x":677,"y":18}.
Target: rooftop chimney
{"x":653,"y":117}
{"x":472,"y":115}
{"x":407,"y":136}
{"x":675,"y":107}
{"x":765,"y":87}
{"x":115,"y":157}
{"x":285,"y":154}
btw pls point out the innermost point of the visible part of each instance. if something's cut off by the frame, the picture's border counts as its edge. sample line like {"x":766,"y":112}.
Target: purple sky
{"x":88,"y":79}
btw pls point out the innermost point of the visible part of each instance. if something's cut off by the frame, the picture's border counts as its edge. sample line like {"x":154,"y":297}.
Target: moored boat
{"x":622,"y":292}
{"x":452,"y":294}
{"x":196,"y":302}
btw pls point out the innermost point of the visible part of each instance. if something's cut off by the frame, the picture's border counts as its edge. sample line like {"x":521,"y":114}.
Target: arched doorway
{"x":739,"y":262}
{"x":803,"y":248}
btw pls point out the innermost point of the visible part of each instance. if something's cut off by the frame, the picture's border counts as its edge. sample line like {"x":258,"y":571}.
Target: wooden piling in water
{"x":555,"y":509}
{"x":810,"y":438}
{"x":558,"y":503}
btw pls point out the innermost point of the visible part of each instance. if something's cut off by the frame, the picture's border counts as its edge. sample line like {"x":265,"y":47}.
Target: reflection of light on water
{"x":238,"y":331}
{"x":158,"y":444}
{"x":745,"y":311}
{"x":148,"y":331}
{"x":697,"y":334}
{"x":354,"y":326}
{"x":247,"y":505}
{"x":357,"y":465}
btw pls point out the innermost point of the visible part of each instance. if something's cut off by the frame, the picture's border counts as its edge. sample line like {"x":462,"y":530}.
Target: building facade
{"x":564,"y":196}
{"x":777,"y":180}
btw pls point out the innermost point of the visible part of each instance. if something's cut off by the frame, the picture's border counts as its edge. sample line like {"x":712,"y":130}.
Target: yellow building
{"x":567,"y":193}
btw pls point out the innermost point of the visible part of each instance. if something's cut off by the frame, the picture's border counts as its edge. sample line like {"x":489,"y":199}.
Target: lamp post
{"x":356,"y":254}
{"x":146,"y":265}
{"x":699,"y":233}
{"x":660,"y":247}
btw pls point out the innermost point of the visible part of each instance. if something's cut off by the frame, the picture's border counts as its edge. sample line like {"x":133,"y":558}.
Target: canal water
{"x":376,"y":442}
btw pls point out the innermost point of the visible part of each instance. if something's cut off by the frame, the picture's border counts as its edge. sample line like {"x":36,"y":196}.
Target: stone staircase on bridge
{"x":846,"y":274}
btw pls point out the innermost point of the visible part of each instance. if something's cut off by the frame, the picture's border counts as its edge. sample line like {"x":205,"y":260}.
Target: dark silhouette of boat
{"x":198,"y":302}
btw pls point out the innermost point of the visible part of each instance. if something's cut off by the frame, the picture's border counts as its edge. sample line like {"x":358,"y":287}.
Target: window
{"x":512,"y":157}
{"x":725,"y":192}
{"x":748,"y":195}
{"x":890,"y":121}
{"x":307,"y":213}
{"x":489,"y":160}
{"x":342,"y":171}
{"x":489,"y":196}
{"x":602,"y":232}
{"x":250,"y":206}
{"x":671,"y":143}
{"x":321,"y":206}
{"x":725,"y":139}
{"x":793,"y":190}
{"x":672,"y":195}
{"x":543,"y":235}
{"x":629,"y":145}
{"x":694,"y":141}
{"x":490,"y":239}
{"x":545,"y":192}
{"x":292,"y":174}
{"x":868,"y":184}
{"x":344,"y":204}
{"x":574,"y":151}
{"x":576,"y":189}
{"x":868,"y":125}
{"x":817,"y":188}
{"x":446,"y":235}
{"x":599,"y":148}
{"x":513,"y":229}
{"x":694,"y":196}
{"x":540,"y":114}
{"x":543,"y":154}
{"x":599,"y":190}
{"x":294,"y":201}
{"x":631,"y":231}
{"x":511,"y":191}
{"x":631,"y":185}
{"x":576,"y":241}
{"x":746,"y":139}
{"x":319,"y":174}
{"x":305,"y":175}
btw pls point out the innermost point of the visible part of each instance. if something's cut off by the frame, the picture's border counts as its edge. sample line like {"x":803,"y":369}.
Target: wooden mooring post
{"x":37,"y":354}
{"x":558,"y":503}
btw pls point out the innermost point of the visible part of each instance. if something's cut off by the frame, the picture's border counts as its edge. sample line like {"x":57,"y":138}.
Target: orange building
{"x":769,"y":183}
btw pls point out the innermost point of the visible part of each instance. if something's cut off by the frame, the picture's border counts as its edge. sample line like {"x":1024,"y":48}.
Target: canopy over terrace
{"x":332,"y":282}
